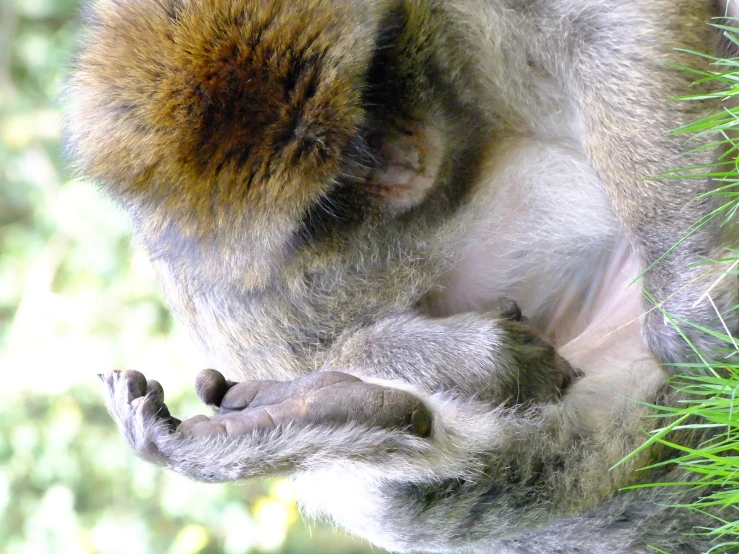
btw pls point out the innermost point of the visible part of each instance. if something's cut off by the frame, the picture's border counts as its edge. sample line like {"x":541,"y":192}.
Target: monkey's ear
{"x":410,"y":158}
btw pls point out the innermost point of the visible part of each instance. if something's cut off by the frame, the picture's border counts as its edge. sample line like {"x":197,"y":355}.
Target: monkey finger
{"x":211,"y":386}
{"x":152,"y":404}
{"x":185,"y":427}
{"x":155,"y":390}
{"x":509,"y":309}
{"x":135,"y":382}
{"x":147,"y":406}
{"x":506,"y":308}
{"x":206,"y":429}
{"x":569,"y":374}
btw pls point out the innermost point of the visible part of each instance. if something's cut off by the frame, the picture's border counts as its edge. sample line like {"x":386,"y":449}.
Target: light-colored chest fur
{"x":540,"y":230}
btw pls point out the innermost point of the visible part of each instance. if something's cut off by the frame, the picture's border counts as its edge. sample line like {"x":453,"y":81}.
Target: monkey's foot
{"x":142,"y":396}
{"x":409,"y":162}
{"x":268,"y":426}
{"x":328,"y":398}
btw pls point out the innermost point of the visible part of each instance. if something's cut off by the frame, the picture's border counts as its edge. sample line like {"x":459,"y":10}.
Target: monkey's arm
{"x":408,"y":424}
{"x":405,"y":363}
{"x":501,"y":360}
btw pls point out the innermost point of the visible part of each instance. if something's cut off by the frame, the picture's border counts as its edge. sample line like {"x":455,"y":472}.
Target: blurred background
{"x":76,"y":299}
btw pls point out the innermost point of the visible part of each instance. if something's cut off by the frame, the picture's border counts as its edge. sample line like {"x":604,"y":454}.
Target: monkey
{"x":412,"y":236}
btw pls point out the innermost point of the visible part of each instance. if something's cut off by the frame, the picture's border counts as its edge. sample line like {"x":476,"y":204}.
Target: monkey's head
{"x":255,"y":121}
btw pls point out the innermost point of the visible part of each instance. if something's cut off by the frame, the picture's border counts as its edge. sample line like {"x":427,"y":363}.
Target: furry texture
{"x":351,"y":186}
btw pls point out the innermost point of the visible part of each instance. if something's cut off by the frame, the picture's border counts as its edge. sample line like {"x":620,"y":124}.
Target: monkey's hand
{"x":266,"y":426}
{"x":328,"y":398}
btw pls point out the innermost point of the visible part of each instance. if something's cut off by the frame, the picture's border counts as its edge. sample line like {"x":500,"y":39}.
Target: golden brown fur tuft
{"x":216,"y":107}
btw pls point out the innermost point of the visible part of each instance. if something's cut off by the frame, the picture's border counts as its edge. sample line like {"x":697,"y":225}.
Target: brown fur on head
{"x":220,"y":113}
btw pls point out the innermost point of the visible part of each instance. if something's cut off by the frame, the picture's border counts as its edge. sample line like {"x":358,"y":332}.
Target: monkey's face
{"x":252,"y":122}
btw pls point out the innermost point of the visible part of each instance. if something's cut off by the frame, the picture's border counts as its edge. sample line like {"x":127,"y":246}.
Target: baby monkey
{"x":338,"y":196}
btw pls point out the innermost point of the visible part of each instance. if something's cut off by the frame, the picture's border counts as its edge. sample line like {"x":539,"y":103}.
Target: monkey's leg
{"x":627,"y":124}
{"x":319,"y":425}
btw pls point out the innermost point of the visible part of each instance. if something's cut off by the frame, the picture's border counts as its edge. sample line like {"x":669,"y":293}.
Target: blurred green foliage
{"x":76,"y":300}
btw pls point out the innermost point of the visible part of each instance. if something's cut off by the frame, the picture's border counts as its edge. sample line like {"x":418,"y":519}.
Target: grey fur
{"x":348,"y":285}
